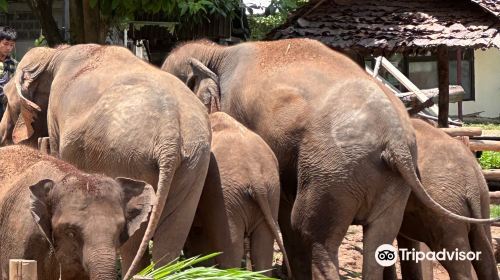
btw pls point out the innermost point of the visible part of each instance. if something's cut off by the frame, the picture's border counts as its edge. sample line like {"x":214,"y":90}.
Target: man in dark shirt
{"x":8,"y":38}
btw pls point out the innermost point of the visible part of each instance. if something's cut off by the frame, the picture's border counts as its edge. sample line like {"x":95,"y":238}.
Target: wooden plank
{"x":22,"y":269}
{"x":485,"y":145}
{"x":407,"y":83}
{"x":463,"y":131}
{"x":383,"y":81}
{"x":444,"y":85}
{"x":492,"y":174}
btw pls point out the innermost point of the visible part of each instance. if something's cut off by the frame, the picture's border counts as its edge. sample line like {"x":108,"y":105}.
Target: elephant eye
{"x":70,"y":233}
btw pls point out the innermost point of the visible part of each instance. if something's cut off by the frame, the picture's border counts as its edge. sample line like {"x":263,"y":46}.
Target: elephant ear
{"x":23,"y":128}
{"x":40,"y":207}
{"x":205,"y":84}
{"x":139,"y":198}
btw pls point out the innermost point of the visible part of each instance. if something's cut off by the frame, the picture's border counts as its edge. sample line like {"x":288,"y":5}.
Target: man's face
{"x":6,"y":47}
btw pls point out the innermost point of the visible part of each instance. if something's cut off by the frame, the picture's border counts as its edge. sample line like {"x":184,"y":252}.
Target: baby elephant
{"x":70,"y":222}
{"x":240,"y":198}
{"x":453,"y":178}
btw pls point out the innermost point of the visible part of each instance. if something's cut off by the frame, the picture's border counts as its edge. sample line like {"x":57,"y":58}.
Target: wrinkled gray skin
{"x":452,"y":176}
{"x":240,"y":198}
{"x":63,"y":218}
{"x":110,"y":112}
{"x":345,"y":146}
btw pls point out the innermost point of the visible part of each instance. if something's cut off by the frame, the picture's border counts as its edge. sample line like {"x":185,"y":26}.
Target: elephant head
{"x":27,"y":96}
{"x":85,"y":218}
{"x":198,"y":77}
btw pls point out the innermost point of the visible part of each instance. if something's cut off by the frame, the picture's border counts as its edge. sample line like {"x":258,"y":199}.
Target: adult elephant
{"x":453,"y":178}
{"x":345,"y":147}
{"x":110,"y":112}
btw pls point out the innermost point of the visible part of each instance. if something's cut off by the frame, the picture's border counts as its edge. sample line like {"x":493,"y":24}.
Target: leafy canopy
{"x":175,"y":10}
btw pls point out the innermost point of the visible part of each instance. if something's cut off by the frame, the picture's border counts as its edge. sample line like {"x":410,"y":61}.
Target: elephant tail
{"x":164,"y":182}
{"x":263,"y":203}
{"x":399,"y":158}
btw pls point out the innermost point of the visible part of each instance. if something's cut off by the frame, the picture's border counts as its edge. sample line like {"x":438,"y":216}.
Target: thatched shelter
{"x":371,"y":27}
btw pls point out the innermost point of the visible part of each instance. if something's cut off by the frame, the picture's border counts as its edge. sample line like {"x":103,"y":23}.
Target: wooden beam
{"x":492,"y":174}
{"x":456,"y":94}
{"x":444,"y":83}
{"x":22,"y":269}
{"x":484,"y":145}
{"x":407,"y":83}
{"x":463,"y":131}
{"x":494,"y":197}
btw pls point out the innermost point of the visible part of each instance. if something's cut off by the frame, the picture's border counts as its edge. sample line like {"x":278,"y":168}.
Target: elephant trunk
{"x":101,"y":263}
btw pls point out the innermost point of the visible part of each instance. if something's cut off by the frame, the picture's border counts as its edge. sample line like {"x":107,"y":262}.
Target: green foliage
{"x":283,"y":6}
{"x":184,"y":270}
{"x":260,"y":25}
{"x":3,"y":6}
{"x":490,"y":160}
{"x":276,"y":14}
{"x":494,"y":211}
{"x":40,"y":41}
{"x":184,"y":11}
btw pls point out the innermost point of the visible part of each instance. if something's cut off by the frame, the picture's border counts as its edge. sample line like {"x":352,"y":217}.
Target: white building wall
{"x":487,"y":85}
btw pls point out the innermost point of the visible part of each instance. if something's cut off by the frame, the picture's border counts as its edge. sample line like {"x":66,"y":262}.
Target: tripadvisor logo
{"x":386,"y":255}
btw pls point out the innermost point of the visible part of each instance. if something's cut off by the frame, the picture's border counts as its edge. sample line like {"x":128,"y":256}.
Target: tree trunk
{"x":42,"y":9}
{"x":76,"y":22}
{"x":87,"y":24}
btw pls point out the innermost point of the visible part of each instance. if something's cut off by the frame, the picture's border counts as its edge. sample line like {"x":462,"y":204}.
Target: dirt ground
{"x":351,"y":260}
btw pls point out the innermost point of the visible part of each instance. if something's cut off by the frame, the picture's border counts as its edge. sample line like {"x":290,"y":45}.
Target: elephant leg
{"x":233,"y":249}
{"x":298,"y":254}
{"x":382,"y":230}
{"x":410,"y":270}
{"x":457,"y":270}
{"x":178,"y":215}
{"x":480,"y":242}
{"x":262,"y":248}
{"x":129,"y":249}
{"x":323,"y":222}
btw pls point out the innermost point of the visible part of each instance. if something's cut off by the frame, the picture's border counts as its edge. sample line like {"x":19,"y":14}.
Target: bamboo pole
{"x":22,"y":269}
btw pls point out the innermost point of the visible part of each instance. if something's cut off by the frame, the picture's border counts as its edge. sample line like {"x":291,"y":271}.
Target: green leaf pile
{"x":185,"y":270}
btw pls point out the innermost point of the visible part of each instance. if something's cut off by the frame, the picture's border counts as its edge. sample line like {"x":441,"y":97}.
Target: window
{"x":422,"y":70}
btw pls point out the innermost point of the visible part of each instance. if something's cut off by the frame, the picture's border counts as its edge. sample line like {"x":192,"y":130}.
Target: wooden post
{"x":444,"y":83}
{"x":459,"y":82}
{"x":22,"y":270}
